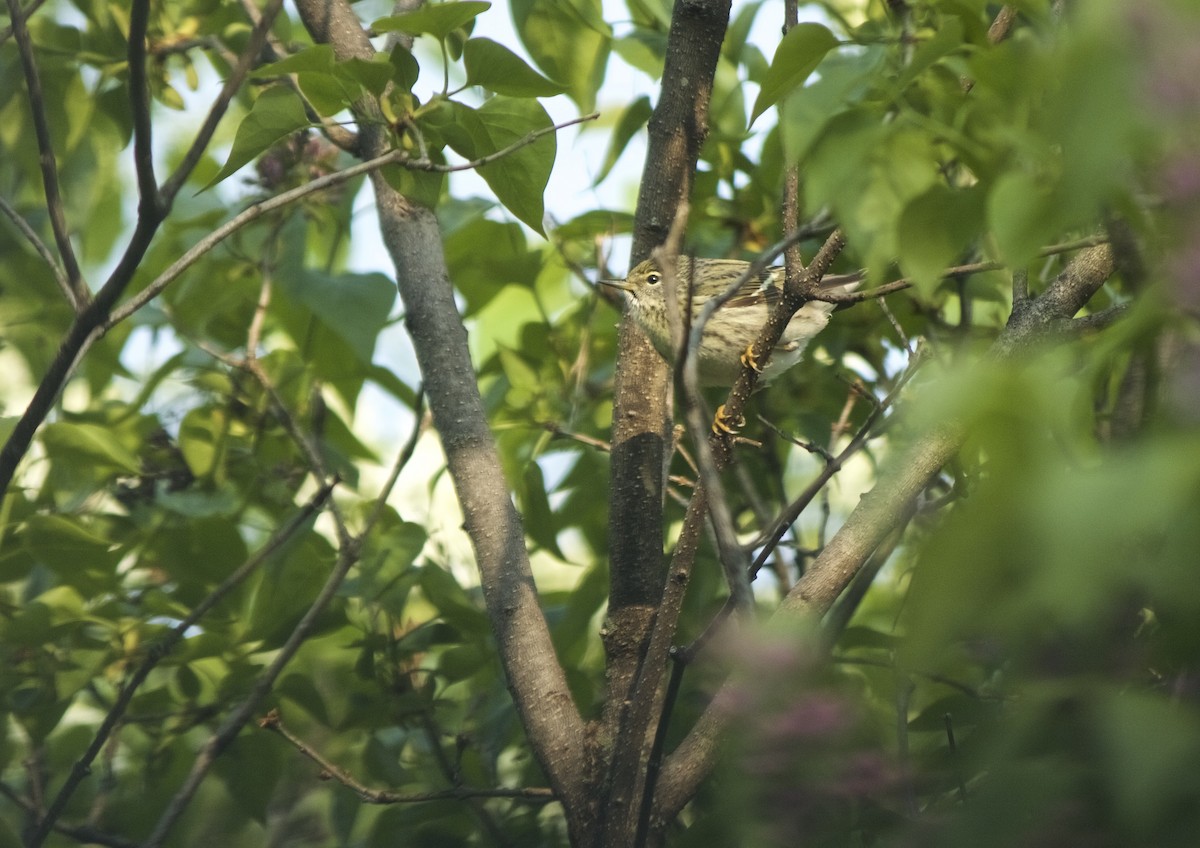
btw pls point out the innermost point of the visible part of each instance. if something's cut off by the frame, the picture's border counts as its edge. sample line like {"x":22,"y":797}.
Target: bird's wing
{"x":766,"y":287}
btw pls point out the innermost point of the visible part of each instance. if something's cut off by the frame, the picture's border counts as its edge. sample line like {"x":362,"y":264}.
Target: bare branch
{"x":406,"y":452}
{"x":642,"y":619}
{"x":257,"y":210}
{"x":139,"y":98}
{"x":771,"y":536}
{"x":1002,"y":24}
{"x":795,"y":294}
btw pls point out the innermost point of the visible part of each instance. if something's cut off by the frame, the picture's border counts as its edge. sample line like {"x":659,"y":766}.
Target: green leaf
{"x":632,"y":119}
{"x":331,"y":85}
{"x":373,"y":74}
{"x":436,"y":19}
{"x":329,"y":92}
{"x":276,"y":114}
{"x":423,"y":187}
{"x":88,"y":443}
{"x":807,"y":111}
{"x":569,"y":40}
{"x":509,"y":261}
{"x":354,"y":306}
{"x":498,"y":69}
{"x":797,"y":56}
{"x":454,"y":605}
{"x":934,"y":229}
{"x":76,"y":553}
{"x":318,"y":57}
{"x":198,"y":551}
{"x":201,"y":439}
{"x":520,"y":177}
{"x":594,"y":223}
{"x":405,"y":69}
{"x":535,"y":507}
{"x":1022,"y":212}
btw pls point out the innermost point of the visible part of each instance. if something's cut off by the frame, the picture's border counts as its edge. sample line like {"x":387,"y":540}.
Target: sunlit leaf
{"x":797,"y":56}
{"x":569,"y":40}
{"x":436,"y":19}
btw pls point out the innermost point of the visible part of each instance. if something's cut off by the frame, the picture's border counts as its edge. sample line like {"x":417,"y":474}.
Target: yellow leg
{"x":722,"y":424}
{"x":748,"y":358}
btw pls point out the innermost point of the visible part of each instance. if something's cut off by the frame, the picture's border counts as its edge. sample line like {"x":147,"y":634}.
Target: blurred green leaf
{"x":935,"y":230}
{"x":632,"y":119}
{"x":88,"y":443}
{"x":797,"y":56}
{"x":569,"y":40}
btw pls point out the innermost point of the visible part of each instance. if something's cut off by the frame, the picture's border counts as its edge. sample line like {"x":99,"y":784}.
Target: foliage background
{"x":1022,"y":669}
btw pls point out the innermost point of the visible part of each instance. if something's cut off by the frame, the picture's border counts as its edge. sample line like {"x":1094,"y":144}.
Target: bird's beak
{"x":617,"y":284}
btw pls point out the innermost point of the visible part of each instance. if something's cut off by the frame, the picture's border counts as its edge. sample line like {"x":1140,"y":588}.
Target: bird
{"x":732,"y":329}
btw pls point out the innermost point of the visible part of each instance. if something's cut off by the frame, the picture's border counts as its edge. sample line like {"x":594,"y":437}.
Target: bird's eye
{"x":653,"y":278}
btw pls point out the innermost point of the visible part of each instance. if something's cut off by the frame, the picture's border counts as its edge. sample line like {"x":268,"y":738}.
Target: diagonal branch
{"x":40,"y":247}
{"x":139,"y":98}
{"x":794,"y":296}
{"x":46,"y":160}
{"x":274,"y":723}
{"x":7,"y":32}
{"x":244,"y":711}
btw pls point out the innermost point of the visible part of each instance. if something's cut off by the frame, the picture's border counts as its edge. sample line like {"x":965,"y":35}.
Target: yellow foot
{"x":748,"y":358}
{"x":722,"y":424}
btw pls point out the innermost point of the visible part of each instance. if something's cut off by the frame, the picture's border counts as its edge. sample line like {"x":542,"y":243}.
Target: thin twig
{"x":80,"y":833}
{"x":1002,"y":24}
{"x":258,"y":319}
{"x":558,"y":432}
{"x":26,"y":14}
{"x":46,"y":159}
{"x":770,"y":538}
{"x":312,"y":453}
{"x":420,"y":423}
{"x":1099,"y":320}
{"x":954,"y":271}
{"x":795,"y":293}
{"x":331,"y":771}
{"x":139,"y":99}
{"x":43,"y":250}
